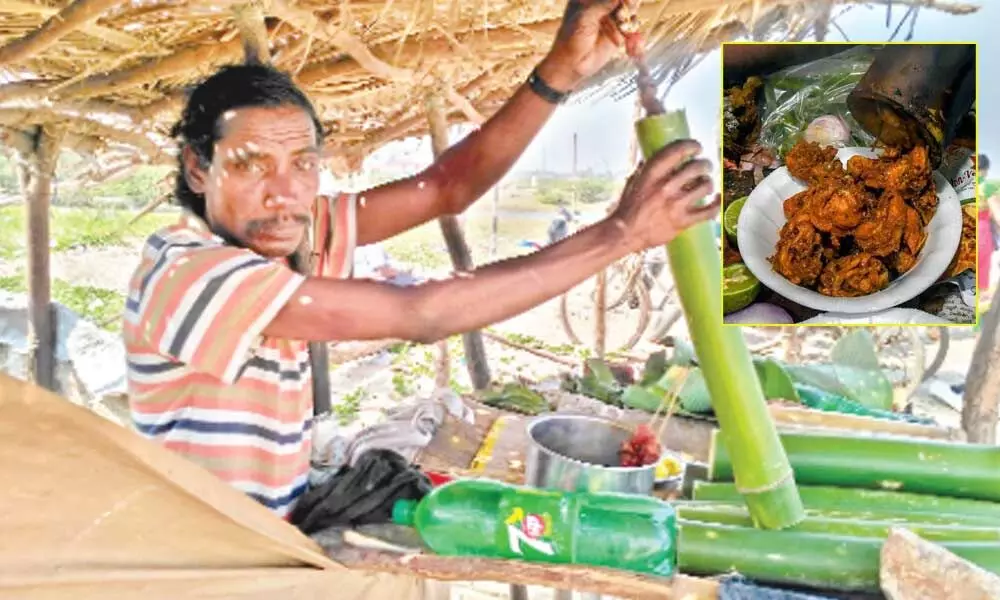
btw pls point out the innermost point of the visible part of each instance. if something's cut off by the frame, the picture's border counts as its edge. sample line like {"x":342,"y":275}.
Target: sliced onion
{"x":828,"y":130}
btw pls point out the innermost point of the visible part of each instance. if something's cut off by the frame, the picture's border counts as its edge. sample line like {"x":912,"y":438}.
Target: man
{"x":559,"y":227}
{"x":217,"y":323}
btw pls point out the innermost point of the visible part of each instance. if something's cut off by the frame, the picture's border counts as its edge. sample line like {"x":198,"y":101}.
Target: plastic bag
{"x":795,"y":96}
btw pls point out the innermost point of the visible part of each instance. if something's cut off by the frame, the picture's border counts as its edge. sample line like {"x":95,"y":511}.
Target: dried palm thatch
{"x":113,"y":73}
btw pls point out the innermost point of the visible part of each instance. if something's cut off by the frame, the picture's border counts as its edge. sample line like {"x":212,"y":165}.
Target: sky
{"x":604,"y":127}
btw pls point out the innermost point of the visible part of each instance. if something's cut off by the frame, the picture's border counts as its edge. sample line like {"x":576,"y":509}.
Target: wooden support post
{"x":475,"y":351}
{"x":982,"y":387}
{"x":38,"y":165}
{"x":253,"y":31}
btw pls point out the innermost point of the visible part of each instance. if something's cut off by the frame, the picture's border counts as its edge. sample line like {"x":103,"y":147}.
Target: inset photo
{"x":849,"y":184}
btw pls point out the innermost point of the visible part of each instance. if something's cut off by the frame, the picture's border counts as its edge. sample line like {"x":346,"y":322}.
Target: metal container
{"x":577,"y":453}
{"x":916,"y":93}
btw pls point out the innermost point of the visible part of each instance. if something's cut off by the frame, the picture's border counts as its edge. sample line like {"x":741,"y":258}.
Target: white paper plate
{"x":763,"y":216}
{"x":893,"y":316}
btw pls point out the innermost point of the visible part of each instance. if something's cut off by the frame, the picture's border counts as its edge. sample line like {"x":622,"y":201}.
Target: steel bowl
{"x":577,"y":453}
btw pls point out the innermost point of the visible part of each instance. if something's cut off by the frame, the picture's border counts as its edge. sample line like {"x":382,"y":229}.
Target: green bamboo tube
{"x":856,"y":499}
{"x":733,"y":514}
{"x":790,"y":557}
{"x":762,"y":470}
{"x":873,"y":513}
{"x":921,"y":466}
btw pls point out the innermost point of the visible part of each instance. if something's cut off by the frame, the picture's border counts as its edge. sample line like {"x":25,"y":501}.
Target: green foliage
{"x":79,"y":227}
{"x":589,"y":190}
{"x":135,"y":191}
{"x":97,"y":305}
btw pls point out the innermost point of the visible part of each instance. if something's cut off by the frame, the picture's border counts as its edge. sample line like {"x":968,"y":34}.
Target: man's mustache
{"x":258,"y":225}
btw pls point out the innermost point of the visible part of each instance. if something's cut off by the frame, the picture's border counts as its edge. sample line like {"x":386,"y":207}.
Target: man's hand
{"x":587,"y":39}
{"x":660,"y":199}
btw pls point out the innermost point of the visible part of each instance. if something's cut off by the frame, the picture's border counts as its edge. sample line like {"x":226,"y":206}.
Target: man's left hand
{"x":587,"y":39}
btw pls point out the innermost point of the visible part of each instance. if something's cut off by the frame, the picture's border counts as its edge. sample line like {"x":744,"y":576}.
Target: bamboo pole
{"x":761,"y":466}
{"x":36,"y":180}
{"x":461,"y":260}
{"x":249,"y":20}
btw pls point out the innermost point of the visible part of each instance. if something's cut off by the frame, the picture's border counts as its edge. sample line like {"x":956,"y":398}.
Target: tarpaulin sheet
{"x":91,"y":510}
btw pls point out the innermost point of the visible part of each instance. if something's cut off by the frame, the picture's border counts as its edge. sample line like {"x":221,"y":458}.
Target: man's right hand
{"x":661,"y":199}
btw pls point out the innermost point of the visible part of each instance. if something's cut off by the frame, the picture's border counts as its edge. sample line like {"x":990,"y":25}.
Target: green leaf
{"x":683,"y":355}
{"x":640,"y":398}
{"x":856,"y":349}
{"x":775,"y":380}
{"x":693,"y":396}
{"x":656,"y":366}
{"x":865,"y":386}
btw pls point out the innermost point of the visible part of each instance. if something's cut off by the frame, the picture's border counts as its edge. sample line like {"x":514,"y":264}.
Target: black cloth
{"x":361,"y":495}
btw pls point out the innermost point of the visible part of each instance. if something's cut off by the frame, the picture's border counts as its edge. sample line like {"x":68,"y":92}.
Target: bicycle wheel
{"x":640,"y":314}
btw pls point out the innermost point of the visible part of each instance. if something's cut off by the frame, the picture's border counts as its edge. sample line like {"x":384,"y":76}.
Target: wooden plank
{"x":915,"y":569}
{"x":621,"y":584}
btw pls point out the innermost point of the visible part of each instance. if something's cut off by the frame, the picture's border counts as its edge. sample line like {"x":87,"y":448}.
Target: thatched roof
{"x":113,"y":73}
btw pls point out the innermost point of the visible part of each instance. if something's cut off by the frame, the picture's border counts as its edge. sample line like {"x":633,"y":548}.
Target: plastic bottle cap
{"x":403,"y":512}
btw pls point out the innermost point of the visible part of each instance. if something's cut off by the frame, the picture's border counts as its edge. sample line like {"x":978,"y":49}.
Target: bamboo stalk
{"x":833,"y":498}
{"x":829,"y":562}
{"x":763,"y":472}
{"x":860,"y":526}
{"x":922,"y":466}
{"x":868,"y":513}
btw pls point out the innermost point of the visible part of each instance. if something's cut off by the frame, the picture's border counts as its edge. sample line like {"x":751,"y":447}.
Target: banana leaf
{"x":856,"y":349}
{"x":867,"y":387}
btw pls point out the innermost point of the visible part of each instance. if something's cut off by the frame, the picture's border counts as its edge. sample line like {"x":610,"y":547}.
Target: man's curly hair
{"x":231,"y":88}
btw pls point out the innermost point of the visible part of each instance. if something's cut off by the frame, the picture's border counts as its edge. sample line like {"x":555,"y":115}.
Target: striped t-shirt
{"x":203,"y":380}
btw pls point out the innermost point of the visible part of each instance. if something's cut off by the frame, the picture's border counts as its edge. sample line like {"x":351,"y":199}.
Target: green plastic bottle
{"x":479,"y":517}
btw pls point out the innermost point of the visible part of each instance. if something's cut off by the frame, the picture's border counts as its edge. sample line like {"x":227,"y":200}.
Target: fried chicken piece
{"x":843,"y":210}
{"x":914,"y":238}
{"x":852,"y":276}
{"x":909,"y":174}
{"x":813,"y":163}
{"x":903,"y":261}
{"x":799,"y":255}
{"x":882,"y":230}
{"x":793,"y":205}
{"x":914,"y":234}
{"x":926,"y":204}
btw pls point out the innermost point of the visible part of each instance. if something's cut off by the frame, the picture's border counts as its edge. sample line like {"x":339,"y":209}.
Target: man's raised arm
{"x":660,"y":202}
{"x":585,"y":42}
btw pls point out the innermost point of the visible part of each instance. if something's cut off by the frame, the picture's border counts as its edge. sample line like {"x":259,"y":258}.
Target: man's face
{"x":263,"y":179}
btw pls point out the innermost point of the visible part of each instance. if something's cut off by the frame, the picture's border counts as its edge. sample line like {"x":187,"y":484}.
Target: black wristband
{"x":544,"y":90}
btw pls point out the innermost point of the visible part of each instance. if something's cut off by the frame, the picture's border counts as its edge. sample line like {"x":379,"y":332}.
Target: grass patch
{"x":98,"y":305}
{"x":349,"y":406}
{"x":79,"y":228}
{"x":425,"y":246}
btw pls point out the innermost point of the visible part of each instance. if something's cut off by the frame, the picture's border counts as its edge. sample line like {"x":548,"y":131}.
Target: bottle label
{"x":531,"y":530}
{"x":533,"y":525}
